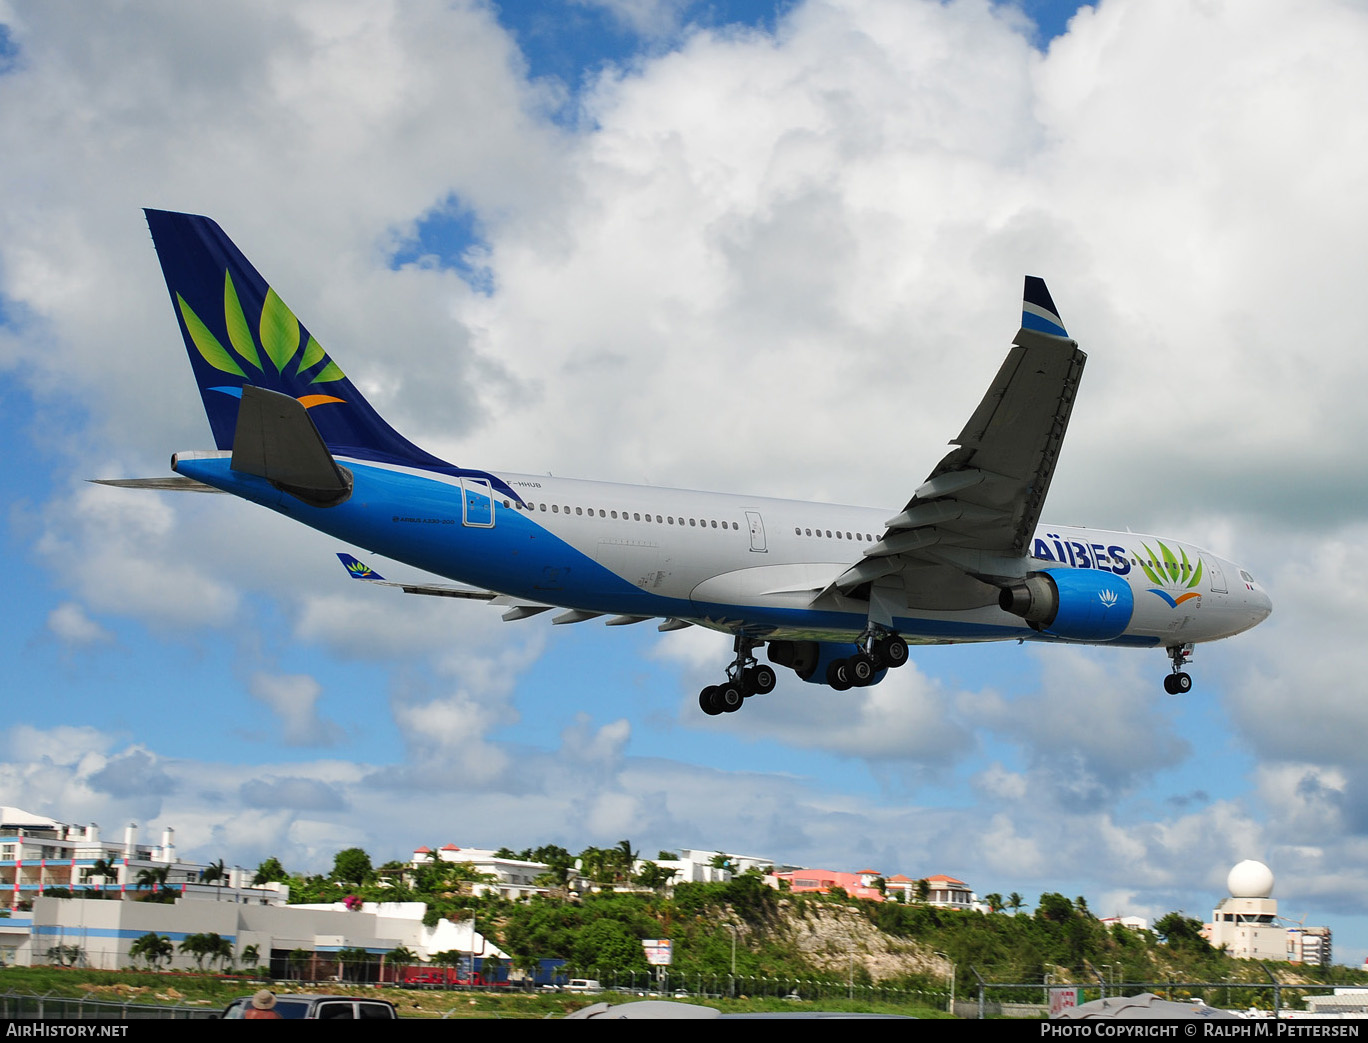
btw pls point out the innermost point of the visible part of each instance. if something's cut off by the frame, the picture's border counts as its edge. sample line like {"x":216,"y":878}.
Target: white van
{"x":582,"y":985}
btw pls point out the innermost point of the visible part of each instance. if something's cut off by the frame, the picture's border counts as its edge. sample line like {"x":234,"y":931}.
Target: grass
{"x":214,"y":992}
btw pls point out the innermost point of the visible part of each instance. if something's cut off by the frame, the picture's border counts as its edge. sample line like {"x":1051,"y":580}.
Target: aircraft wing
{"x":976,"y":512}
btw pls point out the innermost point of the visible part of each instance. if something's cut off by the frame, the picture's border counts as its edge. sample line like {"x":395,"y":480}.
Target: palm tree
{"x":221,"y":949}
{"x":217,"y":873}
{"x":196,"y":946}
{"x":596,"y":865}
{"x":993,"y":901}
{"x":152,"y":948}
{"x":399,"y":957}
{"x":153,"y":879}
{"x":1015,"y":902}
{"x":270,"y":871}
{"x":298,"y":960}
{"x":624,"y":858}
{"x":104,"y":869}
{"x":251,"y":955}
{"x":655,"y":876}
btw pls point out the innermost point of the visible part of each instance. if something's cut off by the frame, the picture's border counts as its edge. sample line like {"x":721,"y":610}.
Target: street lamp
{"x":732,"y":987}
{"x":951,"y":1008}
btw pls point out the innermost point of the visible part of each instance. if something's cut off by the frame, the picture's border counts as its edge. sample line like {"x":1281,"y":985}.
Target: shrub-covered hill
{"x":779,"y":934}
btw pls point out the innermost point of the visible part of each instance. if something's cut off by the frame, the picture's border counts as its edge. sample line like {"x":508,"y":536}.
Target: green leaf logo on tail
{"x":276,"y":341}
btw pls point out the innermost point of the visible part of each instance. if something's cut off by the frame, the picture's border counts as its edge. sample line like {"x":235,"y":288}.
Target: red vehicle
{"x":428,"y":975}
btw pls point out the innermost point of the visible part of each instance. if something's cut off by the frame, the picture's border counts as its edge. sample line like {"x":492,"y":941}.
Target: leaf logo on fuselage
{"x":1175,"y":572}
{"x":277,"y":337}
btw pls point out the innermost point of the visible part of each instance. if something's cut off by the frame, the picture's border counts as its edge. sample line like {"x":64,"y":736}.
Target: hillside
{"x":785,"y":936}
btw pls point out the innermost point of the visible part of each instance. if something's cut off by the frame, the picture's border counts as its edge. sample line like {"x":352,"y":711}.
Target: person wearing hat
{"x":263,"y":1006}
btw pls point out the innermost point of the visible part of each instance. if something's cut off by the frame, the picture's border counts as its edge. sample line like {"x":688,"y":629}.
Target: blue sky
{"x":774,"y":248}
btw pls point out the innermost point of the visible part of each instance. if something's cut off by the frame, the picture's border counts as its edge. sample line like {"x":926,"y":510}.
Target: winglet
{"x":1038,"y":311}
{"x":357,"y":569}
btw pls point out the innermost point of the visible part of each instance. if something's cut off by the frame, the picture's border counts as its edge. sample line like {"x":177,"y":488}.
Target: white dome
{"x":1250,"y":879}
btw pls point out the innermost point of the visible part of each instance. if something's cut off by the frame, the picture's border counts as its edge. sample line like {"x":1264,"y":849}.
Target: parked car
{"x":582,"y":985}
{"x":298,"y":1006}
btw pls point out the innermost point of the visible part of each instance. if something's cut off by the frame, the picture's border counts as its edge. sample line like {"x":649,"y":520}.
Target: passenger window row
{"x":556,"y":508}
{"x":833,"y":534}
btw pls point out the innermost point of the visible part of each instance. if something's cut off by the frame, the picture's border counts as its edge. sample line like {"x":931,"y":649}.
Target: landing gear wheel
{"x":759,"y":680}
{"x":708,"y":701}
{"x":730,"y":696}
{"x":861,"y":669}
{"x":838,"y":674}
{"x":891,"y":652}
{"x":1178,"y":684}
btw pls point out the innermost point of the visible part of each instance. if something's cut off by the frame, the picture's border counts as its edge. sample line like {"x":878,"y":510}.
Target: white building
{"x":702,"y":867}
{"x":38,"y":854}
{"x":103,"y":931}
{"x":1248,"y":925}
{"x":511,"y":877}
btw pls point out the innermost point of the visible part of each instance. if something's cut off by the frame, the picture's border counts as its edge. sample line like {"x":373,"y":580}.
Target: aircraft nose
{"x":1260,"y":605}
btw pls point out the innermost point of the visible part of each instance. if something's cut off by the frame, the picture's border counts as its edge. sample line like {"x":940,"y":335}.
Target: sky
{"x":750,"y":247}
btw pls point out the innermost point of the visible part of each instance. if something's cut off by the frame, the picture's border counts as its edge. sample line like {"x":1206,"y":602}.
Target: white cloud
{"x":783,"y":263}
{"x":71,"y":624}
{"x":293,"y":698}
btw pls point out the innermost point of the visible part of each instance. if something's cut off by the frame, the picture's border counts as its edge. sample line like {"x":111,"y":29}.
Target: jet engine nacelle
{"x":810,"y":659}
{"x":1073,"y":604}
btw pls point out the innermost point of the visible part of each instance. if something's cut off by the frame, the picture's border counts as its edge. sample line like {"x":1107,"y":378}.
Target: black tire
{"x":891,"y":652}
{"x":838,"y":674}
{"x":730,"y":697}
{"x":862,"y":670}
{"x":1183,"y":682}
{"x":760,"y":680}
{"x":708,"y":701}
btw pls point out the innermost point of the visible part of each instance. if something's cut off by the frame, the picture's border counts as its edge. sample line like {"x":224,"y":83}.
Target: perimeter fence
{"x":989,"y":999}
{"x":17,"y":1005}
{"x":716,"y":986}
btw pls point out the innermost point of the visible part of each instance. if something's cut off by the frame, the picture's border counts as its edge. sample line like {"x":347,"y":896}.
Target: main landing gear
{"x":881,"y":650}
{"x":745,"y":677}
{"x":1178,"y":682}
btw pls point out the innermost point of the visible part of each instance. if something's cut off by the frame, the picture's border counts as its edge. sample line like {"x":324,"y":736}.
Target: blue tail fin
{"x":357,"y":569}
{"x":237,"y":331}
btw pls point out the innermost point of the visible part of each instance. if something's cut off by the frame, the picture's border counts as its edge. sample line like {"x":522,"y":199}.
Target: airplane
{"x":835,"y":593}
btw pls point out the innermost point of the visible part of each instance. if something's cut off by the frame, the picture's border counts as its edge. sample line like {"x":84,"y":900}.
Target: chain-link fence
{"x":984,"y":998}
{"x":712,"y":986}
{"x":14,"y":1005}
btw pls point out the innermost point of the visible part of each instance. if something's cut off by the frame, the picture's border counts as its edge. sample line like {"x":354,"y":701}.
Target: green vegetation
{"x":744,"y":937}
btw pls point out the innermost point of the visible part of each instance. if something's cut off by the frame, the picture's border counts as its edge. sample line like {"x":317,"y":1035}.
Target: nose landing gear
{"x":1178,"y":682}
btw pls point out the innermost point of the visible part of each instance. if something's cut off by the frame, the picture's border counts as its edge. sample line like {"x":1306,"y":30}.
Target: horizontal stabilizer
{"x":275,"y":439}
{"x":177,"y":483}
